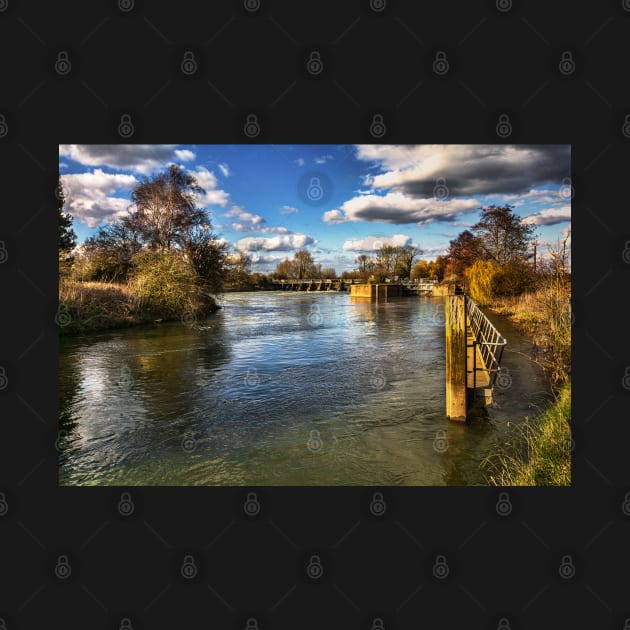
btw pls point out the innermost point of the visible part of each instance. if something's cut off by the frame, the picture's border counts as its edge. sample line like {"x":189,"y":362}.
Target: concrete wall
{"x":376,"y":292}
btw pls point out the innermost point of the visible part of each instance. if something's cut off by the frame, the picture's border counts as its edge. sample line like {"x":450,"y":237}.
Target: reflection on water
{"x":278,"y":389}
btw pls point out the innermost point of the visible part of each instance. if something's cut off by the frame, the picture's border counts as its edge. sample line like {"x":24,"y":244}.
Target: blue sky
{"x":337,"y":201}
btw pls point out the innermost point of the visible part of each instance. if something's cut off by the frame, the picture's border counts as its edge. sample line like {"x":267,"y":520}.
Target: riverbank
{"x":539,"y":454}
{"x":92,"y":306}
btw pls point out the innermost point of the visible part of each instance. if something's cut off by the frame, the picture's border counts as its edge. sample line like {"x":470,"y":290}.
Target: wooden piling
{"x":455,"y":324}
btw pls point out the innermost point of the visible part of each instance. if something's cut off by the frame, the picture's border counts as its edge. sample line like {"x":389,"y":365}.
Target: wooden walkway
{"x":480,"y":383}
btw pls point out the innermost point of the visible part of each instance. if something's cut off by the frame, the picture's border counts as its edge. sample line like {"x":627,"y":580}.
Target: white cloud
{"x":141,"y":158}
{"x":274,"y":243}
{"x":465,"y":169}
{"x":225,"y":171}
{"x":370,"y":243}
{"x":242,"y":215}
{"x":184,"y":155}
{"x":288,"y":210}
{"x":300,"y":161}
{"x":549,"y":216}
{"x":92,"y":199}
{"x":322,"y":159}
{"x":399,"y":208}
{"x":334,"y":216}
{"x":213,"y":196}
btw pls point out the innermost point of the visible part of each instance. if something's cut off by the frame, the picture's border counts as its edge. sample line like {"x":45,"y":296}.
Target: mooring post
{"x":455,"y":324}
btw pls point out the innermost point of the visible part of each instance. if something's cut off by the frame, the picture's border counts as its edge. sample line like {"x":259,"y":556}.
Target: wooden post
{"x":455,"y":324}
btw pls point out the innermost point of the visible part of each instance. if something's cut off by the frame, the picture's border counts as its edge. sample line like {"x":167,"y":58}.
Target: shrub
{"x":166,"y":284}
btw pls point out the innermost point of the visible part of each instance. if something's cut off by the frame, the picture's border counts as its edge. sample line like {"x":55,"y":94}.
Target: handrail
{"x":490,"y":340}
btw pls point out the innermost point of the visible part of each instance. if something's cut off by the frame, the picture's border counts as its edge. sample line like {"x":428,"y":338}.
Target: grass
{"x":545,"y":316}
{"x":91,"y":306}
{"x":540,"y":452}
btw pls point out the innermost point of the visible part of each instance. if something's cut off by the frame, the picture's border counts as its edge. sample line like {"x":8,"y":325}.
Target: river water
{"x":280,"y":388}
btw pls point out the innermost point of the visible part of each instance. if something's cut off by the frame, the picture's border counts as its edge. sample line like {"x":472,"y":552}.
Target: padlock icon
{"x":315,"y":570}
{"x":62,"y":568}
{"x":440,"y":63}
{"x":378,"y":128}
{"x":4,"y":5}
{"x":504,"y":126}
{"x":503,"y":379}
{"x":315,"y":317}
{"x":126,"y":5}
{"x":625,"y":128}
{"x":377,"y":380}
{"x":315,"y":191}
{"x":626,"y":625}
{"x":626,"y":378}
{"x":625,"y":506}
{"x":125,"y":126}
{"x":125,"y":624}
{"x":314,"y":442}
{"x":626,"y":5}
{"x":566,"y":190}
{"x":4,"y":506}
{"x":440,"y":568}
{"x":378,"y":624}
{"x":504,"y":505}
{"x":252,"y":126}
{"x":125,"y":505}
{"x":62,"y":317}
{"x":62,"y":64}
{"x":626,"y":253}
{"x":4,"y":379}
{"x":504,"y":624}
{"x":566,"y":568}
{"x":188,"y":442}
{"x":251,"y":506}
{"x":440,"y":191}
{"x":189,"y":568}
{"x":378,"y":505}
{"x":440,"y":443}
{"x":189,"y":63}
{"x":3,"y":623}
{"x":567,"y":64}
{"x":252,"y":379}
{"x":252,"y":624}
{"x":4,"y":128}
{"x":315,"y":64}
{"x":504,"y":5}
{"x":251,"y":5}
{"x":378,"y":5}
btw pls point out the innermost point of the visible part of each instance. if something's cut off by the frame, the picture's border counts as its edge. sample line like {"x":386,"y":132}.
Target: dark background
{"x":503,"y":59}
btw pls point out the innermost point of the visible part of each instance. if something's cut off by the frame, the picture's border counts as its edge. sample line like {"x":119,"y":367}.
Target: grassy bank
{"x":539,"y":453}
{"x":90,"y":306}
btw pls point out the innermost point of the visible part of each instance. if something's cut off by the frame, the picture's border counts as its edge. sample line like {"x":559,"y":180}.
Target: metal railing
{"x":490,"y":341}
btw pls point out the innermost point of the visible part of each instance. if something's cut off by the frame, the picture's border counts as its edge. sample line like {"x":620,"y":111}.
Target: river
{"x":280,"y":388}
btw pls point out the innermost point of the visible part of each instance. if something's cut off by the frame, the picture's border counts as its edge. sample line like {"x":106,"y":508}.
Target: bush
{"x":487,"y":280}
{"x":166,"y":284}
{"x":479,"y":277}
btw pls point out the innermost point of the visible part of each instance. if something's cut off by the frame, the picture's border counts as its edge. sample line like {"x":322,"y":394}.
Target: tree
{"x":108,"y":255}
{"x":404,"y":259}
{"x":420,"y":270}
{"x":503,"y":235}
{"x":284,"y":269}
{"x":328,"y":273}
{"x":206,"y":254}
{"x":386,"y":257}
{"x":165,"y":208}
{"x":67,"y":239}
{"x":240,"y":269}
{"x":464,"y":250}
{"x":362,"y":260}
{"x":304,"y":264}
